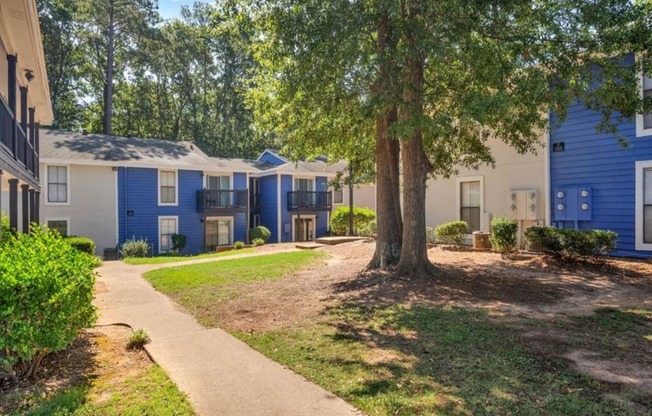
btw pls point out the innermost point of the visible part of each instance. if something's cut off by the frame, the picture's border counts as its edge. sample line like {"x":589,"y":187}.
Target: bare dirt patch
{"x":97,"y":353}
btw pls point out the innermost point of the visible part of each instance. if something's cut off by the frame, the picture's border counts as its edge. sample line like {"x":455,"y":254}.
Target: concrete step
{"x":331,"y":241}
{"x":308,"y":245}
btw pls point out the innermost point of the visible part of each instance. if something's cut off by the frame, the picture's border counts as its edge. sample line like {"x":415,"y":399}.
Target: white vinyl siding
{"x":57,"y":184}
{"x":167,"y":187}
{"x":167,"y":227}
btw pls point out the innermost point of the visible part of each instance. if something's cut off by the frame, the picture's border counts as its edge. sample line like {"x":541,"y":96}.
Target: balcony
{"x":214,"y":201}
{"x":310,"y":201}
{"x":15,"y":143}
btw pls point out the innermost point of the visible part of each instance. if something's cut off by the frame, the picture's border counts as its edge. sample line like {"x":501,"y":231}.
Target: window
{"x":57,"y":184}
{"x":470,"y":204}
{"x":220,"y":183}
{"x":168,"y":187}
{"x":61,"y":226}
{"x":307,"y":185}
{"x":338,"y":196}
{"x":218,"y":233}
{"x":644,"y":121}
{"x":166,"y":228}
{"x":647,"y":206}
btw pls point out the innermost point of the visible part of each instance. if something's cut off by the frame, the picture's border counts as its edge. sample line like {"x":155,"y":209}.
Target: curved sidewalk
{"x":220,"y":374}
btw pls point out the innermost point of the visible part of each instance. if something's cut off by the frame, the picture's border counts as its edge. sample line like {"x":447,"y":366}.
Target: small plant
{"x":361,"y":218}
{"x":238,"y":245}
{"x":135,"y":248}
{"x":138,"y":340}
{"x":178,"y":242}
{"x":260,"y":232}
{"x":504,"y":233}
{"x":569,"y":244}
{"x":369,"y":229}
{"x":604,"y":242}
{"x":431,"y":238}
{"x":452,"y":232}
{"x":258,"y":242}
{"x":83,"y":244}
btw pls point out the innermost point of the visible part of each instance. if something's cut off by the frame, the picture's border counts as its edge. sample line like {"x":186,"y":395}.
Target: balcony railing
{"x":221,"y":200}
{"x":310,"y":201}
{"x":14,"y":141}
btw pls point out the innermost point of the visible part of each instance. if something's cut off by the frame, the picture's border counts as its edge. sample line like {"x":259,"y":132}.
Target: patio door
{"x":218,"y":233}
{"x":220,"y":183}
{"x":304,"y":229}
{"x":307,"y":188}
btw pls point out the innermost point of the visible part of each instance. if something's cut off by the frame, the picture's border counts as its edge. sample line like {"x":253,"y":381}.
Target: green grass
{"x":422,"y":360}
{"x":175,"y":259}
{"x":201,"y":287}
{"x":149,"y":393}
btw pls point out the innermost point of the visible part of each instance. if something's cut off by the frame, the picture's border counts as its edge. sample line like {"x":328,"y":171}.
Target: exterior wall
{"x":512,"y":172}
{"x":270,"y":158}
{"x":363,"y":196}
{"x":269,"y":205}
{"x":600,"y":163}
{"x":138,"y":194}
{"x":286,"y":216}
{"x":91,"y":209}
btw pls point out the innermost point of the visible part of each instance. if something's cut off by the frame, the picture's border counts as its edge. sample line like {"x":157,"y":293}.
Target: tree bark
{"x":388,"y":208}
{"x":414,"y":254}
{"x":108,"y":90}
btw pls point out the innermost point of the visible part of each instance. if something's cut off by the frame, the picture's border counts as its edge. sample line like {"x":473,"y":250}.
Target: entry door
{"x":303,"y":229}
{"x":218,"y":234}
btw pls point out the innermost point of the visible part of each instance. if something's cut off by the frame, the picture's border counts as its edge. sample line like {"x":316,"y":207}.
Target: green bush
{"x":260,"y":232}
{"x":135,"y":248}
{"x":361,"y":219}
{"x":369,"y":229}
{"x":504,"y":232}
{"x":258,"y":242}
{"x":83,"y":244}
{"x":238,"y":245}
{"x":178,"y":242}
{"x":431,"y":238}
{"x":46,"y":292}
{"x":5,"y":229}
{"x":137,"y":340}
{"x":452,"y":232}
{"x":569,"y":243}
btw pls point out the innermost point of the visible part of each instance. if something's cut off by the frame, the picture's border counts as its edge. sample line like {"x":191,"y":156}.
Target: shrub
{"x":135,"y":248}
{"x":361,"y":219}
{"x":5,"y":229}
{"x":46,"y":292}
{"x":178,"y":242}
{"x":258,"y":242}
{"x":238,"y":245}
{"x":504,"y":232}
{"x":452,"y":232}
{"x":369,"y":229}
{"x":260,"y":232}
{"x":138,"y":340}
{"x":569,"y":243}
{"x":431,"y":238}
{"x":83,"y":244}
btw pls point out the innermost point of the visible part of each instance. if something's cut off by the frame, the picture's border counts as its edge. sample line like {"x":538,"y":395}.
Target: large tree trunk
{"x":414,"y":255}
{"x":388,"y":208}
{"x":108,"y":90}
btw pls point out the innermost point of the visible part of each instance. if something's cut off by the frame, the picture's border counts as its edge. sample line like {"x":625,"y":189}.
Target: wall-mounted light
{"x":560,"y":194}
{"x":29,"y":75}
{"x":560,"y":207}
{"x":115,"y":168}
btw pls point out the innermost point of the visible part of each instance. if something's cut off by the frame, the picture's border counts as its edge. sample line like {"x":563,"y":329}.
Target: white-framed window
{"x":167,"y":226}
{"x":58,"y":185}
{"x":61,"y":225}
{"x":168,"y":191}
{"x":470,"y":201}
{"x":304,"y":184}
{"x":644,"y":121}
{"x":219,"y":183}
{"x":643,"y":200}
{"x":338,"y":196}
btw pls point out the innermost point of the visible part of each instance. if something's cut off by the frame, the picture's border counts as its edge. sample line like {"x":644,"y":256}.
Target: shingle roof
{"x":239,"y":165}
{"x":69,"y":146}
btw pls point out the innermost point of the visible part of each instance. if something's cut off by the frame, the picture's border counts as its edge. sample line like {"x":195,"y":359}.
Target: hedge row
{"x":570,"y":243}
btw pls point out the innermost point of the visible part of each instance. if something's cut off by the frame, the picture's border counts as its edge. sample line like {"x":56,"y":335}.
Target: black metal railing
{"x":310,"y":200}
{"x":14,"y":140}
{"x":214,"y":199}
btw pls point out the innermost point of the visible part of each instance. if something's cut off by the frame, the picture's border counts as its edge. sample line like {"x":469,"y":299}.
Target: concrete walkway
{"x":221,"y":375}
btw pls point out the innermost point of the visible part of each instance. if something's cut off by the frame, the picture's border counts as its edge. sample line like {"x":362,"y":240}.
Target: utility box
{"x":572,"y":203}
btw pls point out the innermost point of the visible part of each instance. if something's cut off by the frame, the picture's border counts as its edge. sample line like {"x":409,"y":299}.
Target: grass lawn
{"x":425,"y":360}
{"x":175,"y":259}
{"x":200,"y":287}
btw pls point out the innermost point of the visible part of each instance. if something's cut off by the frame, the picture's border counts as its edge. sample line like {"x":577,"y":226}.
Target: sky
{"x":172,"y":8}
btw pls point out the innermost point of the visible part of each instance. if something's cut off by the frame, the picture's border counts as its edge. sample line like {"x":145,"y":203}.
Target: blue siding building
{"x":596,"y":183}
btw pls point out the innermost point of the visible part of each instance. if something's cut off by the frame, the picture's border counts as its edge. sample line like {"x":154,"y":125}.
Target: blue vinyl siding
{"x":239,"y":181}
{"x":287,"y":185}
{"x":599,"y":162}
{"x":272,"y":159}
{"x":138,"y":192}
{"x":269,"y":205}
